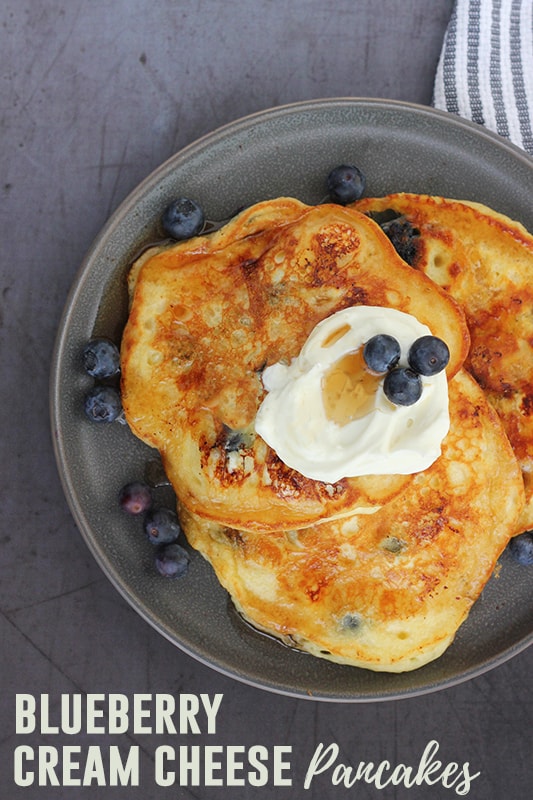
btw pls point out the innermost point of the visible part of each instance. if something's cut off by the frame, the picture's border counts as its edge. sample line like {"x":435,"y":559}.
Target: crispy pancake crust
{"x":485,"y":261}
{"x":209,"y":314}
{"x":386,"y":591}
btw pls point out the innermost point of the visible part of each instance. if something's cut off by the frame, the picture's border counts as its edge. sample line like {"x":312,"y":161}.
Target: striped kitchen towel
{"x":485,"y":71}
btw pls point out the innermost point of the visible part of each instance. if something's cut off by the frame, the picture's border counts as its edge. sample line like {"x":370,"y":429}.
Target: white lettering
{"x":402,"y":774}
{"x":218,"y":765}
{"x":45,"y":716}
{"x":165,"y":706}
{"x":281,"y":766}
{"x":211,"y":765}
{"x":48,"y":761}
{"x":380,"y":784}
{"x":71,"y":714}
{"x":211,"y":709}
{"x":315,"y":766}
{"x":164,"y":777}
{"x":426,"y":767}
{"x":113,"y":713}
{"x":121,"y":774}
{"x":233,"y":765}
{"x":118,"y":713}
{"x":94,"y":767}
{"x":189,"y":765}
{"x":140,"y":713}
{"x":429,"y":771}
{"x":256,"y":755}
{"x":20,"y":775}
{"x":94,"y":713}
{"x":463,"y":787}
{"x":71,"y":766}
{"x":25,"y":706}
{"x":188,"y":714}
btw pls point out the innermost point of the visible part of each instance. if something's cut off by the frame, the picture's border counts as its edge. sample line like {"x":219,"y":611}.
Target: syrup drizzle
{"x":349,"y":389}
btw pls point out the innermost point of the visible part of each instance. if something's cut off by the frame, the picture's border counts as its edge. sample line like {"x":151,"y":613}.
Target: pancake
{"x":386,"y":591}
{"x":208,"y":315}
{"x":485,"y":261}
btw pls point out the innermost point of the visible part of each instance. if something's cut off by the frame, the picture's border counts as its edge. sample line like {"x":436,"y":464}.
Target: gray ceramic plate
{"x":283,"y":151}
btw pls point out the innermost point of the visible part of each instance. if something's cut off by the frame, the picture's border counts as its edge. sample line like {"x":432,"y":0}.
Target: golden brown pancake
{"x":209,"y":314}
{"x":386,"y":591}
{"x":485,"y":261}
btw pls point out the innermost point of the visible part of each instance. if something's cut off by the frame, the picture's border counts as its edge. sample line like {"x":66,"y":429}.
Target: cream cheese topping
{"x":328,"y":418}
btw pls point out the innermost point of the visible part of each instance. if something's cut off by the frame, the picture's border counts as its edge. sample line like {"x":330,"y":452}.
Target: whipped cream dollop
{"x":326,"y":415}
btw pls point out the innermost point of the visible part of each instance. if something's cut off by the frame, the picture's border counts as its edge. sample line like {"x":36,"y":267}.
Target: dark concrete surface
{"x":95,"y":95}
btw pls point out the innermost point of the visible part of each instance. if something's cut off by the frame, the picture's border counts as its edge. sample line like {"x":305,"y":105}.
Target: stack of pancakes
{"x":376,"y":571}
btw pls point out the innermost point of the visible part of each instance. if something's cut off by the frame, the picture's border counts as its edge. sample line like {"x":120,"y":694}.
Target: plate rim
{"x":149,"y":182}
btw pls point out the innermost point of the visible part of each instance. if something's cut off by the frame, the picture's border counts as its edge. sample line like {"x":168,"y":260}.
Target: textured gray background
{"x":94,"y":95}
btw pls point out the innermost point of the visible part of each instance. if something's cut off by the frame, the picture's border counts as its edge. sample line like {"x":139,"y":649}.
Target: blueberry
{"x":172,"y":560}
{"x":402,"y":386}
{"x":135,"y":498}
{"x":403,"y":237}
{"x":346,"y":184}
{"x":101,"y":358}
{"x":162,"y":526}
{"x":381,"y":353}
{"x":102,"y":404}
{"x":521,"y":548}
{"x":351,"y":621}
{"x":182,"y":219}
{"x":428,"y":355}
{"x":235,"y":440}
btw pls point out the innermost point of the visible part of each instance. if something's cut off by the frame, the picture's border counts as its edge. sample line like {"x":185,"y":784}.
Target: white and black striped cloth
{"x":485,"y":71}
